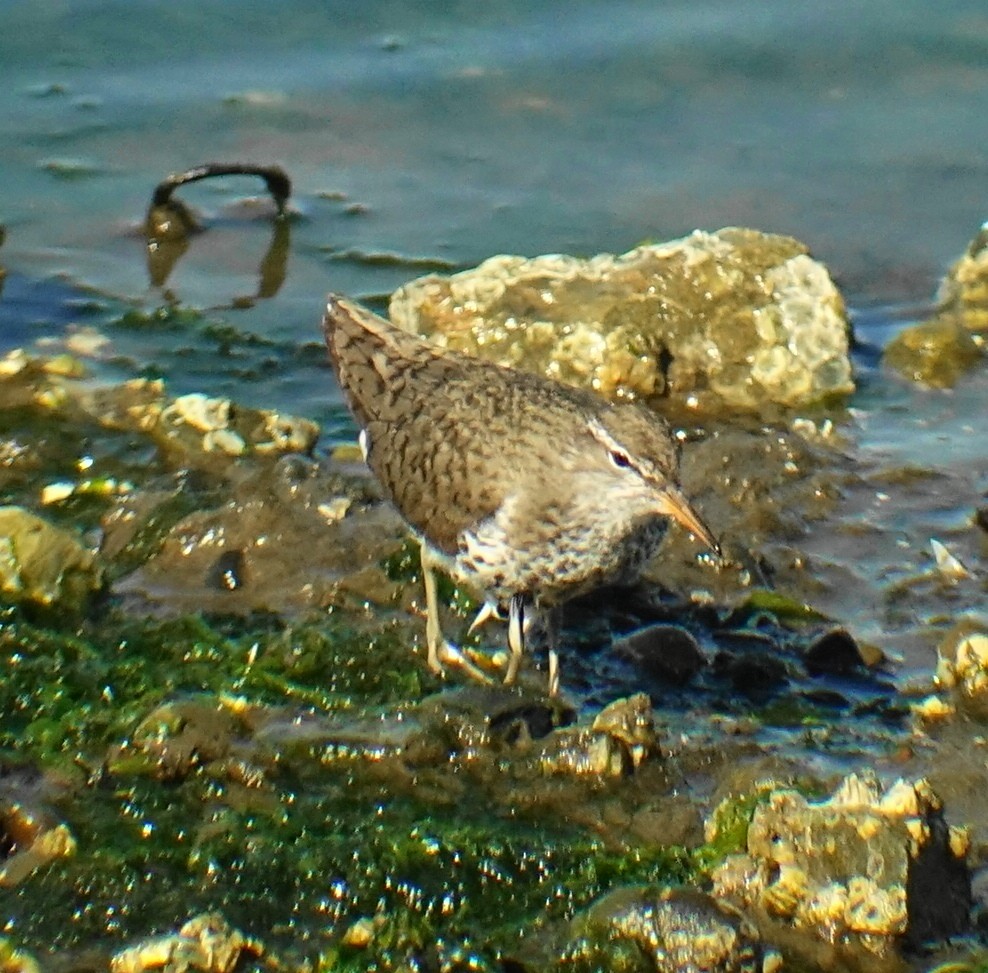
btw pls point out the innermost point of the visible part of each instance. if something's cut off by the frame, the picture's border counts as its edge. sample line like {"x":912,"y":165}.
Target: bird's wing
{"x":441,"y":428}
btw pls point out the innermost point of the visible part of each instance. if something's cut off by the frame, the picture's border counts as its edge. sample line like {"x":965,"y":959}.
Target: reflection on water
{"x":170,"y":225}
{"x":501,"y":127}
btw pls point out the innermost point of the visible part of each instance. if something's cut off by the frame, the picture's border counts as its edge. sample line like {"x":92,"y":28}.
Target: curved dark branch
{"x":275,"y":178}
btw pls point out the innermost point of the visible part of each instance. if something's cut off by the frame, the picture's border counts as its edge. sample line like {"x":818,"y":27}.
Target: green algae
{"x":301,"y":853}
{"x":163,"y":317}
{"x":74,"y":692}
{"x":781,"y":606}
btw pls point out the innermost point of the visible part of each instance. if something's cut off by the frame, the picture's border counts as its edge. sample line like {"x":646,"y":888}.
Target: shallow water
{"x":418,"y":139}
{"x":501,"y":127}
{"x":504,"y":128}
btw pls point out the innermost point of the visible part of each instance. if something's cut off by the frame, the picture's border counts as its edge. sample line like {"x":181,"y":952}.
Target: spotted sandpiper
{"x":527,"y":490}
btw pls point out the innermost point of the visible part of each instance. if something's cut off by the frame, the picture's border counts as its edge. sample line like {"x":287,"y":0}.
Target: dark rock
{"x":665,"y":652}
{"x":228,"y":572}
{"x":752,"y":674}
{"x":835,"y":653}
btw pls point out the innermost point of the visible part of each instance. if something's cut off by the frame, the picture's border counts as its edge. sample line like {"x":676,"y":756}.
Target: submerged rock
{"x":726,"y":319}
{"x":44,"y":565}
{"x":936,"y":352}
{"x":863,"y":870}
{"x":940,"y":350}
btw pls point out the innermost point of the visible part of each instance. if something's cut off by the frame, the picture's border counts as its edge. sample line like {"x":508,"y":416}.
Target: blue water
{"x":497,"y":126}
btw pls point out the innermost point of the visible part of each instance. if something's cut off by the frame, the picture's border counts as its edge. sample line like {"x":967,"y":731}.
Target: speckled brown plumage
{"x":519,"y":486}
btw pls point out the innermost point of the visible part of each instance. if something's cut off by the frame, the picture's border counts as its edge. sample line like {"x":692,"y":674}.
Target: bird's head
{"x":640,"y":452}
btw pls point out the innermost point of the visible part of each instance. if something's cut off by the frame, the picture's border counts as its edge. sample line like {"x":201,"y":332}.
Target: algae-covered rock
{"x":43,"y":565}
{"x":865,"y":869}
{"x":674,"y":930}
{"x":963,"y":292}
{"x":732,"y":318}
{"x":935,"y":352}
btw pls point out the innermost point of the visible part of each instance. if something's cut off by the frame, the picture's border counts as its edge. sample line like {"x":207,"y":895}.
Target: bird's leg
{"x":433,"y":630}
{"x":516,"y":638}
{"x":552,"y":643}
{"x":439,"y":650}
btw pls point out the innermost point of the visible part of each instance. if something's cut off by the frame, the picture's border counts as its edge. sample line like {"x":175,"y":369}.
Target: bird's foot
{"x":489,"y":611}
{"x":445,"y":653}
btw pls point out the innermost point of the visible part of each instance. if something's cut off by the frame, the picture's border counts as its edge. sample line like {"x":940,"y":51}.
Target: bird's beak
{"x":674,"y":505}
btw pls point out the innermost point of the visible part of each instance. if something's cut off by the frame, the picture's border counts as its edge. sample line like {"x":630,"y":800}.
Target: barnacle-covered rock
{"x":675,"y":930}
{"x":735,"y":318}
{"x":44,"y":565}
{"x":962,"y":669}
{"x":864,"y":869}
{"x":963,"y":292}
{"x":199,"y":428}
{"x":620,"y":738}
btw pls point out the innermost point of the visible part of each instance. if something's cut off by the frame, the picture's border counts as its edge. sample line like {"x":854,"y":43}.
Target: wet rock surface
{"x":204,"y":943}
{"x":243,"y":731}
{"x":31,"y":834}
{"x":963,"y":293}
{"x":670,"y":929}
{"x":44,"y":566}
{"x":939,"y":351}
{"x":936,"y":352}
{"x":735,"y":318}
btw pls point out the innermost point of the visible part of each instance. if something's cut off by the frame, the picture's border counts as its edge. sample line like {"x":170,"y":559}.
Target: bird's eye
{"x":620,"y":459}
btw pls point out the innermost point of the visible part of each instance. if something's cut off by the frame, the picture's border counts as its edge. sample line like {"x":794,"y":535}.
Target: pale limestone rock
{"x":864,"y":868}
{"x":735,"y":318}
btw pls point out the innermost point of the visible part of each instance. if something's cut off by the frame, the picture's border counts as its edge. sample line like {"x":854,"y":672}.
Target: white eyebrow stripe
{"x":611,"y":444}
